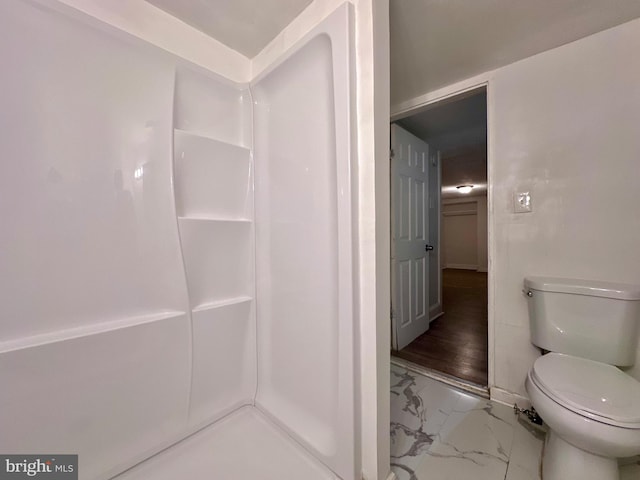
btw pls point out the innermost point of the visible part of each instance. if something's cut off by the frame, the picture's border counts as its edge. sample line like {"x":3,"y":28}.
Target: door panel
{"x":420,"y":199}
{"x":404,"y":307}
{"x":410,"y":231}
{"x":420,"y":290}
{"x":404,"y":212}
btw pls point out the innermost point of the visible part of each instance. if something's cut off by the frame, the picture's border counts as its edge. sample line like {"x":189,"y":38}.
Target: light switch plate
{"x":522,"y":202}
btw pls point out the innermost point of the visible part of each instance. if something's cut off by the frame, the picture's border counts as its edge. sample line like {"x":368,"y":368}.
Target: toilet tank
{"x":589,"y":319}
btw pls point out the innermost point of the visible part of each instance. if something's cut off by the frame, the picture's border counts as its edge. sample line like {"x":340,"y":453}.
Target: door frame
{"x":437,"y":310}
{"x":448,"y":94}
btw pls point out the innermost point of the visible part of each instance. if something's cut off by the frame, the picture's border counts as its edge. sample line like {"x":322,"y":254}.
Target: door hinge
{"x":392,"y":314}
{"x":391,"y":153}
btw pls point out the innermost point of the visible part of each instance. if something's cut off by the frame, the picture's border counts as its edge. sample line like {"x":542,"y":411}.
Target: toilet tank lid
{"x":620,"y":291}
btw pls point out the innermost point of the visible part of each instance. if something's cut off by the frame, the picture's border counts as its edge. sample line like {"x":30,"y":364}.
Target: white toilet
{"x":592,"y":408}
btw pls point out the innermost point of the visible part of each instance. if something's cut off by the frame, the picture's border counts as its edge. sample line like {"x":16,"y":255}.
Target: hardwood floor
{"x":456,"y":343}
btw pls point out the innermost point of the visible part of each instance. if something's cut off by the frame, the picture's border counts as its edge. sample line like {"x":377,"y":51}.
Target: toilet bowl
{"x":593,"y":413}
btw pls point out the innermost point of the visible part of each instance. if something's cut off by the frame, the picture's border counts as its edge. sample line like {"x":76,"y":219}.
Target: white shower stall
{"x":177,"y":254}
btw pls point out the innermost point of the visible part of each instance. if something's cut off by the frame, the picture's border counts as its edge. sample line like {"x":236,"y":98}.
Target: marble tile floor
{"x":441,"y":433}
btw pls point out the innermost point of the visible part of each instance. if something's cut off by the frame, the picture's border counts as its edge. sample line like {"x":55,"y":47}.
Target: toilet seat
{"x":592,"y":389}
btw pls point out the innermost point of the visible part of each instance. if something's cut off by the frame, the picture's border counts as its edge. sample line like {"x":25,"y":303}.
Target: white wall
{"x":464,"y":237}
{"x":564,"y":128}
{"x":460,"y":236}
{"x":375,"y":219}
{"x":562,"y":125}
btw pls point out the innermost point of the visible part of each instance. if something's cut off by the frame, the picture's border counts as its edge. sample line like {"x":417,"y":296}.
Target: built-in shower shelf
{"x":108,"y":325}
{"x":221,"y":303}
{"x":211,"y":222}
{"x":212,"y":178}
{"x":196,"y":136}
{"x":211,"y":108}
{"x":218,"y":259}
{"x":213,"y":219}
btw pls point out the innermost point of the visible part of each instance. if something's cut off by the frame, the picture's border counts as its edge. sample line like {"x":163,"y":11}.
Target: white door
{"x":409,"y":237}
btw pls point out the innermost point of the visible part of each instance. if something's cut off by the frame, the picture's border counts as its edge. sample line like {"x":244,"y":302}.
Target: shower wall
{"x":95,"y":340}
{"x":213,"y":177}
{"x":130,"y":317}
{"x":304,"y":241}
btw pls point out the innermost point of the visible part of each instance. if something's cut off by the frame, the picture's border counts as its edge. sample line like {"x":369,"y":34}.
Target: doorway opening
{"x":439,"y":233}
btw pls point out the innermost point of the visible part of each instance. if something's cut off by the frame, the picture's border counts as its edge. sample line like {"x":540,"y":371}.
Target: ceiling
{"x":246,"y":26}
{"x":452,"y":126}
{"x":465,"y":168}
{"x":435,"y":43}
{"x":458,"y":129}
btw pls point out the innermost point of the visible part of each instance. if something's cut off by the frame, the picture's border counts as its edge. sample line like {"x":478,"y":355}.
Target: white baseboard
{"x":461,"y":266}
{"x":508,"y":398}
{"x":390,"y":476}
{"x":435,"y":312}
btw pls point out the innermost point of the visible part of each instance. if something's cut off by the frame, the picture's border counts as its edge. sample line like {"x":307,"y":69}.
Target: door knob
{"x":428,"y":248}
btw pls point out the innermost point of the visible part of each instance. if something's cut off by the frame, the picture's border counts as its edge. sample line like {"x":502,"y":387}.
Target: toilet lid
{"x":593,"y":389}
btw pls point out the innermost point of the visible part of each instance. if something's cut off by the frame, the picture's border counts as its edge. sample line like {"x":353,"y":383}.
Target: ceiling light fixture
{"x":464,"y":188}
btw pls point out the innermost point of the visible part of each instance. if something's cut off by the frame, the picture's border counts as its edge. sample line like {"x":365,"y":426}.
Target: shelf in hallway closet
{"x":221,"y":303}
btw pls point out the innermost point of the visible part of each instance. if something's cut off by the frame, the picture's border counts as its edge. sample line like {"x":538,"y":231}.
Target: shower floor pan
{"x":243,"y":445}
